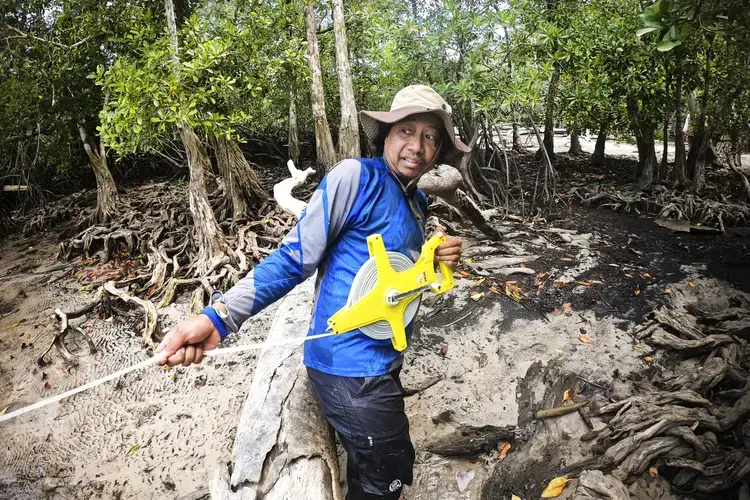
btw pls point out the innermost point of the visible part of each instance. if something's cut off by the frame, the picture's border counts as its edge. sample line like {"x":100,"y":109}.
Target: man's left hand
{"x":449,"y":252}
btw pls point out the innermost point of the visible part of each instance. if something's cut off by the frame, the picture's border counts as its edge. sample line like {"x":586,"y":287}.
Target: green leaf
{"x":644,"y":31}
{"x":133,"y":449}
{"x":673,"y":33}
{"x":666,"y":46}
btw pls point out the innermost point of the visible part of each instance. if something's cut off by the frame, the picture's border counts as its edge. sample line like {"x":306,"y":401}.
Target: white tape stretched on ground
{"x":150,"y":361}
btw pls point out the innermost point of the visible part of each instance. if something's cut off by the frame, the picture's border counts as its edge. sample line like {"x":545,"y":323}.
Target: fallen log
{"x":283,"y":448}
{"x":445,"y":182}
{"x":282,"y":192}
{"x":470,"y":440}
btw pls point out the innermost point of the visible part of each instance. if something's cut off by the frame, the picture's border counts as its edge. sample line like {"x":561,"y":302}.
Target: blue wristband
{"x":216,"y":320}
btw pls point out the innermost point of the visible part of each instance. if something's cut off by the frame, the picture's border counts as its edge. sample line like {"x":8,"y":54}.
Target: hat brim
{"x":374,"y":124}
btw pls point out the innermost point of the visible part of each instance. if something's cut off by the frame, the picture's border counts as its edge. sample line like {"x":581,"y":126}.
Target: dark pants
{"x":368,"y":415}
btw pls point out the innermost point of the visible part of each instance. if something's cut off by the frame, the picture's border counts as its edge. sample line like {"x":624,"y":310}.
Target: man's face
{"x":412,"y":144}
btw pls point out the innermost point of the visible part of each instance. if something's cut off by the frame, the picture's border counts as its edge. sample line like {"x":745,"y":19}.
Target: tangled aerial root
{"x":667,"y":204}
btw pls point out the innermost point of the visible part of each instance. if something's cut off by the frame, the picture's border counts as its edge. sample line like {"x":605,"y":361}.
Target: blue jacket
{"x":357,"y":198}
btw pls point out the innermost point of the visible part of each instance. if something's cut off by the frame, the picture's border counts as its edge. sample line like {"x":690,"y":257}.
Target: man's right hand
{"x":186,"y":343}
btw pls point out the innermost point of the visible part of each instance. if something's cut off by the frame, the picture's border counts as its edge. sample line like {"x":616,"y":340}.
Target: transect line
{"x":148,"y":362}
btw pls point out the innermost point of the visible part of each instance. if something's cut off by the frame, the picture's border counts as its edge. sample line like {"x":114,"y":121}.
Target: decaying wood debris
{"x":666,"y":204}
{"x":283,"y":446}
{"x":693,"y":427}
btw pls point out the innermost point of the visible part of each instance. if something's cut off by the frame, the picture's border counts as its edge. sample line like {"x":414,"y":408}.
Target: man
{"x":355,"y":377}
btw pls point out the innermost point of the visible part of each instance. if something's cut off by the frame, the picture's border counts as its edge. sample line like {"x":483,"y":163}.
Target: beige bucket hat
{"x":413,"y":100}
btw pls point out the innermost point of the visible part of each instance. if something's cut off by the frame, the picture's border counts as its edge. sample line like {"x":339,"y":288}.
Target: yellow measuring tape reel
{"x":386,"y":289}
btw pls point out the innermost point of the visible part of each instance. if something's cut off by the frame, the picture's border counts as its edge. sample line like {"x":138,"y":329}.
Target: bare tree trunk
{"x":663,"y":171}
{"x":695,"y":144}
{"x":293,"y":134}
{"x":106,"y":190}
{"x":209,"y":240}
{"x":647,"y":158}
{"x":241,"y":184}
{"x":326,"y":153}
{"x":597,"y":159}
{"x":517,"y":146}
{"x":575,"y":143}
{"x":644,"y":136}
{"x":679,"y":137}
{"x":703,"y":158}
{"x":349,"y":128}
{"x":549,"y":116}
{"x":414,"y":10}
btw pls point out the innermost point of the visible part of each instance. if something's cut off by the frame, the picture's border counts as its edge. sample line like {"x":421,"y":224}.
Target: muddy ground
{"x":478,"y":357}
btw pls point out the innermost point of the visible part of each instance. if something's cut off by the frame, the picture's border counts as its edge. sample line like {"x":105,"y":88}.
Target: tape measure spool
{"x":365,"y":280}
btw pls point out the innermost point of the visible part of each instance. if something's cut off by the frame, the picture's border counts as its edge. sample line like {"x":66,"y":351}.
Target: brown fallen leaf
{"x":504,"y":450}
{"x":585,"y":339}
{"x":629,"y":275}
{"x":653,"y":472}
{"x":479,"y":281}
{"x":566,"y":306}
{"x":667,"y":290}
{"x":515,"y":497}
{"x":637,"y":292}
{"x":702,"y":326}
{"x":567,"y":395}
{"x":639,"y":348}
{"x":691,"y":284}
{"x":494,"y":289}
{"x":560,"y":284}
{"x":613,"y":265}
{"x":555,"y":487}
{"x":566,"y":259}
{"x":648,"y":358}
{"x":14,"y":325}
{"x":646,"y":275}
{"x":463,"y":274}
{"x":606,"y":242}
{"x":541,"y":286}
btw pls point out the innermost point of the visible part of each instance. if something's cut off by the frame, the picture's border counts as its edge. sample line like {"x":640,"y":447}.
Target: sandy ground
{"x":611,"y":148}
{"x":183,"y":421}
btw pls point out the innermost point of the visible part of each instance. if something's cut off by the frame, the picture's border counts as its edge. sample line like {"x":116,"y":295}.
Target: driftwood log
{"x":446,"y":182}
{"x":284,"y":448}
{"x":282,"y":192}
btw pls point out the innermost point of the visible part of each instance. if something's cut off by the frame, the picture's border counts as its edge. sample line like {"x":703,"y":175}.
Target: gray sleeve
{"x":301,"y":251}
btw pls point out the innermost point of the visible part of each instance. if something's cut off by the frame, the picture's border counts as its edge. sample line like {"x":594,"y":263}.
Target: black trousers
{"x":368,"y":415}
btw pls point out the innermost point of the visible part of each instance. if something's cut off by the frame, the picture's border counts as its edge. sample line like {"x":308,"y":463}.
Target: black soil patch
{"x":637,"y":261}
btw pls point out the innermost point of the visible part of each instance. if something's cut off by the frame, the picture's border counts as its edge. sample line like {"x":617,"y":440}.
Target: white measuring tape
{"x":148,"y":362}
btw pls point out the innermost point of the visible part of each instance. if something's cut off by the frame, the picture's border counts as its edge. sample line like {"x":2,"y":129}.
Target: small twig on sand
{"x":560,"y":410}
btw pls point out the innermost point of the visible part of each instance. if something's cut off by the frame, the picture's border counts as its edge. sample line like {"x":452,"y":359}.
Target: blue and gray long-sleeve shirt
{"x":357,"y":198}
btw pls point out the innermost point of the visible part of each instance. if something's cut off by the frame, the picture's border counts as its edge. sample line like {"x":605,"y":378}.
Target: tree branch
{"x":44,"y":40}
